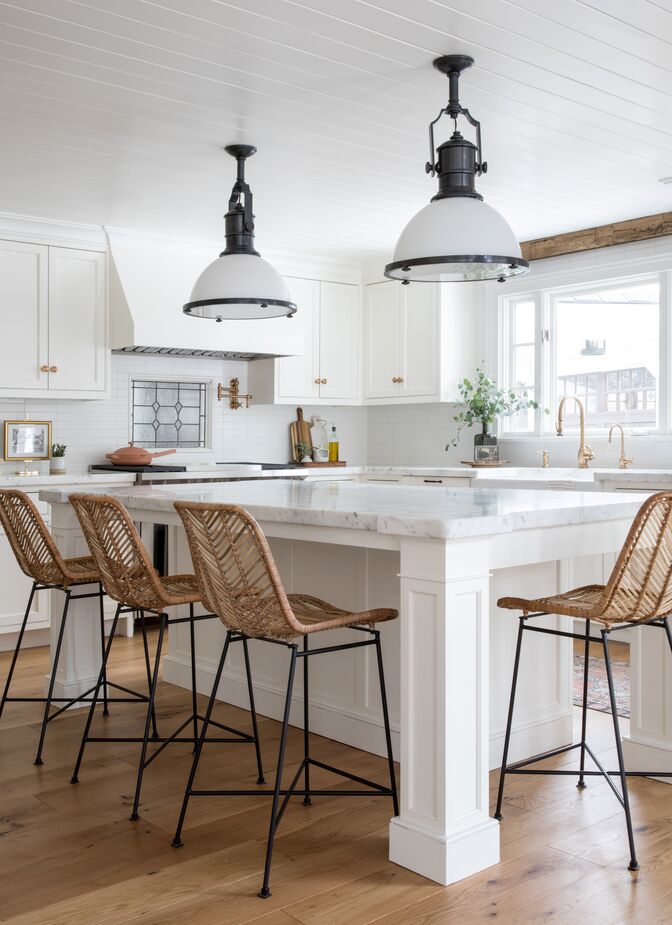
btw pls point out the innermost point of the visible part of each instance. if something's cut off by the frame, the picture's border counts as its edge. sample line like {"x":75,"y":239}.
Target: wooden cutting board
{"x":299,"y":432}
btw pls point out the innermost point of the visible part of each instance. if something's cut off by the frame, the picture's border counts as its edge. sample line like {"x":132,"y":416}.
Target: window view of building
{"x":607,"y":354}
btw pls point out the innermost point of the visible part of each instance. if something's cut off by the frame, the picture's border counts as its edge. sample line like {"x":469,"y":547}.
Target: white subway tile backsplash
{"x":259,"y":434}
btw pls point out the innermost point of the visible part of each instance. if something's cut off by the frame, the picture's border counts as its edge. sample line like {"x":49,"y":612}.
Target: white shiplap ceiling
{"x":115,"y":111}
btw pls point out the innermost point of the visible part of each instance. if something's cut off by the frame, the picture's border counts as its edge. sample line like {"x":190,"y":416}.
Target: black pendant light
{"x":457,"y":237}
{"x":239,"y":284}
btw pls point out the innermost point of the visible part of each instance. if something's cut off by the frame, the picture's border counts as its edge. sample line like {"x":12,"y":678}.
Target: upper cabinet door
{"x":297,"y":375}
{"x":77,"y":320}
{"x":420,"y":340}
{"x":24,"y":347}
{"x":339,"y":341}
{"x":382,"y":362}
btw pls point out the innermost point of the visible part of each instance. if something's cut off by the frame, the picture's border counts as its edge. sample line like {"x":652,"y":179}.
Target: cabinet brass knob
{"x":323,"y":381}
{"x":317,"y":381}
{"x":53,"y":369}
{"x":400,"y":379}
{"x":44,"y":369}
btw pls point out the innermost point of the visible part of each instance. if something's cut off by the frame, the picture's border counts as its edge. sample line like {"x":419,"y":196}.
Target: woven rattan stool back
{"x":29,"y":538}
{"x":640,"y":586}
{"x":235,"y":570}
{"x":126,"y":570}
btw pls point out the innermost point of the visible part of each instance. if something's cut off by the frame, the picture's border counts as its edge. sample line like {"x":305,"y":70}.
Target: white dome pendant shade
{"x":239,"y":285}
{"x":457,"y":237}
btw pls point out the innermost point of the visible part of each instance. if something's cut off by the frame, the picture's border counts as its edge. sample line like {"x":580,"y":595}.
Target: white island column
{"x":648,"y":747}
{"x":444,"y":830}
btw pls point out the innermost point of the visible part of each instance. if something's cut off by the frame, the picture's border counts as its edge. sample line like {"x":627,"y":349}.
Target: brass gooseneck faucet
{"x":585,"y":453}
{"x":623,"y":460}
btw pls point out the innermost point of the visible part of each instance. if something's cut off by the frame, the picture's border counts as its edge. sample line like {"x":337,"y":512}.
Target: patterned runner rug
{"x":598,"y":690}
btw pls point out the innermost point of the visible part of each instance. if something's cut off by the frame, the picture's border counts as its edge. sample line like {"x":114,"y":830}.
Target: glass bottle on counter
{"x":333,"y":445}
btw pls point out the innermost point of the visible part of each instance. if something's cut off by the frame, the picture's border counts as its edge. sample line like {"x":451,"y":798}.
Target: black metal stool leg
{"x":633,"y":865}
{"x":581,"y":785}
{"x":102,"y":646}
{"x":148,"y":668}
{"x":509,"y":720}
{"x":52,"y":680}
{"x":12,"y":666}
{"x":194,"y":699}
{"x":177,"y":838}
{"x":668,"y":633}
{"x":255,"y":730}
{"x":386,"y":720}
{"x":307,"y":801}
{"x":150,"y":710}
{"x":265,"y":890}
{"x":87,"y":728}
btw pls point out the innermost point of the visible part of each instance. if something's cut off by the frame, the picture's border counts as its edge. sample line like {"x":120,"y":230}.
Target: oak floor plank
{"x":70,"y":856}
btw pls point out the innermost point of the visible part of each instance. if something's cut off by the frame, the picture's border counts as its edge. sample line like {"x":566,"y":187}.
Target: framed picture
{"x":27,"y":440}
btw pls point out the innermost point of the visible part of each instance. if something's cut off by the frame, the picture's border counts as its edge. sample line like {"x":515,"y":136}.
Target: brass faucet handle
{"x":625,"y":461}
{"x":588,"y":451}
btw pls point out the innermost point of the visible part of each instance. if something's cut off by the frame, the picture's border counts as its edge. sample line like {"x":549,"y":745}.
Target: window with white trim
{"x":600,"y":342}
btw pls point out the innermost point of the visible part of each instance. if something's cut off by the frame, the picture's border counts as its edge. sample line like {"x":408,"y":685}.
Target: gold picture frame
{"x":27,"y":440}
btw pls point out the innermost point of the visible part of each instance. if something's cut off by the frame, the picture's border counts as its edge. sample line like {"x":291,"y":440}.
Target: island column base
{"x":445,"y":859}
{"x":444,"y":830}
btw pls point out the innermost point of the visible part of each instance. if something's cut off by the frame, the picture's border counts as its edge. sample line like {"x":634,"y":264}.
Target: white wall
{"x":258,"y":434}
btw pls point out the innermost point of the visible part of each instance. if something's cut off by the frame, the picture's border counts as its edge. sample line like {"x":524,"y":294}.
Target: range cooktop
{"x":110,"y":467}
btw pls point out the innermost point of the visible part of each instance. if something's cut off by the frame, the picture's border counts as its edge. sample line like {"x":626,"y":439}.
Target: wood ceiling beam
{"x":635,"y":229}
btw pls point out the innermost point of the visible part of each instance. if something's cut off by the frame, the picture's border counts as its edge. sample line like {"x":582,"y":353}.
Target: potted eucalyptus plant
{"x":57,"y":461}
{"x":484,"y":401}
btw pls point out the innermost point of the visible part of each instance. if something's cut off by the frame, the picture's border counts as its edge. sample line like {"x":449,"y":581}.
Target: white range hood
{"x":151,"y":278}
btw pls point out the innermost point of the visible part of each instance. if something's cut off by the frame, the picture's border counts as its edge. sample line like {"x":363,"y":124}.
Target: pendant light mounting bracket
{"x":239,"y":220}
{"x":453,"y":66}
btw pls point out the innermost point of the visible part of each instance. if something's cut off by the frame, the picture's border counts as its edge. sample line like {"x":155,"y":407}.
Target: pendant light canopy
{"x":239,"y":284}
{"x":457,"y":237}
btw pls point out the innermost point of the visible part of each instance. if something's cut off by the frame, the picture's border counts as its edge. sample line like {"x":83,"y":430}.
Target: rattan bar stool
{"x":129,"y":578}
{"x":239,"y":582}
{"x":39,"y":559}
{"x":638,"y":593}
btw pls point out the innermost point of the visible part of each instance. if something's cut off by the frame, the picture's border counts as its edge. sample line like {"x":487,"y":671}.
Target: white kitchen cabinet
{"x":381,"y":340}
{"x":297,"y":377}
{"x":77,"y":320}
{"x":328,"y":370}
{"x":24,"y":343}
{"x":54,"y":340}
{"x":418,"y":341}
{"x":339,"y":342}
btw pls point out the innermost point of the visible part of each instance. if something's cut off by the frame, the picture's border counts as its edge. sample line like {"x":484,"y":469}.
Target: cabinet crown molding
{"x":32,"y":229}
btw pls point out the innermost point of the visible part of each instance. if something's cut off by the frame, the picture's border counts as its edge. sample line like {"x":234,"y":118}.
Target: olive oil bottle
{"x":333,"y":445}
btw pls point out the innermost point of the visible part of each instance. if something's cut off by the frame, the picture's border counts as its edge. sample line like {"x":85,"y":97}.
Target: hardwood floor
{"x":70,"y":856}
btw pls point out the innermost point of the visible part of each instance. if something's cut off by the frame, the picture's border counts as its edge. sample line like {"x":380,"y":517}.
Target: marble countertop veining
{"x":443,"y":513}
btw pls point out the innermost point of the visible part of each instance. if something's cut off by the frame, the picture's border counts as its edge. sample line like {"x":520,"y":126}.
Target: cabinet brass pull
{"x":44,"y":369}
{"x":53,"y":369}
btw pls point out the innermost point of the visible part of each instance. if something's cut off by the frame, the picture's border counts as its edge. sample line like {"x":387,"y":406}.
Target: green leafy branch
{"x":485,"y":401}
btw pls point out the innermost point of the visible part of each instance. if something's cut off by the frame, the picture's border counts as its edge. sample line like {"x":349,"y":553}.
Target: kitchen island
{"x":443,"y":557}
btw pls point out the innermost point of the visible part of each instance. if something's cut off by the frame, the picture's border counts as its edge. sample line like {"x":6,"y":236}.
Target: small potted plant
{"x":484,"y":402}
{"x":303,"y":451}
{"x":57,"y":461}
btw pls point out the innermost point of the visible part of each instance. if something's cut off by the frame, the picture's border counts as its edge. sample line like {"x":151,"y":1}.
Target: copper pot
{"x":134,"y":456}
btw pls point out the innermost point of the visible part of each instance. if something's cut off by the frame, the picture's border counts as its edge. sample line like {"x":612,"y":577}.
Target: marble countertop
{"x":442,"y":513}
{"x":37,"y":481}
